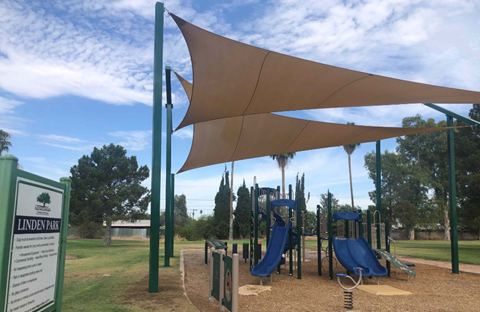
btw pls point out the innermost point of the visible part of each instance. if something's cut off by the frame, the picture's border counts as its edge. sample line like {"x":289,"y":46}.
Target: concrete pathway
{"x":464,"y":268}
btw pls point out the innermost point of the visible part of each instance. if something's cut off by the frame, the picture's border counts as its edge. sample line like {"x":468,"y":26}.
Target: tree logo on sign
{"x":44,"y":198}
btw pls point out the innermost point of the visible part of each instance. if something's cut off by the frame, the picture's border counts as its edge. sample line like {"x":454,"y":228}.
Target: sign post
{"x":33,"y":232}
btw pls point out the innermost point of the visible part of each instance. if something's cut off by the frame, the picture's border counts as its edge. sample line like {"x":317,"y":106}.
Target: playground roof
{"x":250,"y":136}
{"x":235,"y":79}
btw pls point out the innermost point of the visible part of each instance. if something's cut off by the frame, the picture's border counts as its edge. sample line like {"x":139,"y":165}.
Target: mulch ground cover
{"x":434,"y":289}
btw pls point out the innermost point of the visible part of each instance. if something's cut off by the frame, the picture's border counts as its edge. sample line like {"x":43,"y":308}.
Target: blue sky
{"x":75,"y":74}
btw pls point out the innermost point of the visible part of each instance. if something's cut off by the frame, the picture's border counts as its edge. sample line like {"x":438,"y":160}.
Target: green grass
{"x":468,"y":251}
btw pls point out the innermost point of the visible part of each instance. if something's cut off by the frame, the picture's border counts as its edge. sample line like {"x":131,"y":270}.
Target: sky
{"x":77,"y":74}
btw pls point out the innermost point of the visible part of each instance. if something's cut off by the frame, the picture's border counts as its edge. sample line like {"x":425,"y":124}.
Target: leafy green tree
{"x":300,"y":192}
{"x":5,"y":144}
{"x":467,"y":151}
{"x":106,"y":186}
{"x":44,"y":198}
{"x":324,"y":203}
{"x":427,"y":152}
{"x":282,"y":161}
{"x":221,"y":212}
{"x":404,"y":194}
{"x":349,"y":149}
{"x":241,"y":224}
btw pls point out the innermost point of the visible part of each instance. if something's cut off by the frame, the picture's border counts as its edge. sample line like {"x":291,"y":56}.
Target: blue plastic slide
{"x":274,"y":251}
{"x":353,"y":253}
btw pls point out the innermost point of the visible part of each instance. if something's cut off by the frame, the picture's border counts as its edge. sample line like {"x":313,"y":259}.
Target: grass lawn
{"x":468,"y":251}
{"x":116,"y":278}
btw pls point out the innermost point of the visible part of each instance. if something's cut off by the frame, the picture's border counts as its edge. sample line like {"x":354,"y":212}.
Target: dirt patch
{"x":434,"y":289}
{"x":169,"y":297}
{"x":68,"y":257}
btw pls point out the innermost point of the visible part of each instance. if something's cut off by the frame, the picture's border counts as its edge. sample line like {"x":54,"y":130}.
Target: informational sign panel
{"x":34,"y":257}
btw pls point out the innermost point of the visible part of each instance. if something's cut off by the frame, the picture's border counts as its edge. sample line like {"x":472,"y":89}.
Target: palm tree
{"x":350,"y":148}
{"x":282,"y":161}
{"x":4,"y":143}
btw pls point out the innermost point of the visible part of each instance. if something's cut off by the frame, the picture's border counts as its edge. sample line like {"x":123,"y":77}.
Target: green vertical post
{"x":378,"y":185}
{"x":369,"y":227}
{"x":156,"y":150}
{"x":255,"y":224}
{"x":319,"y":244}
{"x":330,"y":237}
{"x":268,"y":221}
{"x":172,"y":213}
{"x":279,"y":266}
{"x":252,"y":213}
{"x":63,"y":241}
{"x":290,"y":234}
{"x":387,"y":243}
{"x":299,"y":238}
{"x":168,"y":169}
{"x":8,"y":176}
{"x":452,"y":197}
{"x":360,"y":223}
{"x":347,"y":229}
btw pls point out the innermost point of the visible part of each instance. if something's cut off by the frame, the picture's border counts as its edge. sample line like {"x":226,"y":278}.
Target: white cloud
{"x":69,"y":143}
{"x":133,"y":140}
{"x":184,"y":133}
{"x":7,"y":105}
{"x":45,"y":167}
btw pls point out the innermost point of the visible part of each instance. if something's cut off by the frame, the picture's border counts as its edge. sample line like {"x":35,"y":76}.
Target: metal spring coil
{"x":348,"y":299}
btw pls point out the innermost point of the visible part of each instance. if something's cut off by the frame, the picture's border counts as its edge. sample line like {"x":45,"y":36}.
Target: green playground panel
{"x":228,"y":282}
{"x":216,"y":276}
{"x":396,"y":262}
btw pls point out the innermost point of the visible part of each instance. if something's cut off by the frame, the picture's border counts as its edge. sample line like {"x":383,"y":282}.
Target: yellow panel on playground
{"x":383,"y":290}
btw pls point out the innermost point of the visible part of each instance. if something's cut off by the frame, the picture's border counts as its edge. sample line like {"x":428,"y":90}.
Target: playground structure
{"x":215,"y":244}
{"x":348,"y":244}
{"x":248,"y":109}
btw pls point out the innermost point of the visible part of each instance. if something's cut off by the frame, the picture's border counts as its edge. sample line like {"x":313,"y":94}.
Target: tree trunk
{"x":283,"y":182}
{"x":446,"y":236}
{"x":108,"y":234}
{"x":412,"y":234}
{"x":351,"y":184}
{"x":230,"y":233}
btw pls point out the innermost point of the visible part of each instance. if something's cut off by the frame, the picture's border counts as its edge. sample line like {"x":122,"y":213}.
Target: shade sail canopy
{"x":244,"y":137}
{"x":235,"y":79}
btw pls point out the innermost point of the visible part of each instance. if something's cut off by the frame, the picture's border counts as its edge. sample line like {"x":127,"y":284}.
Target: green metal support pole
{"x":268,"y":221}
{"x":378,"y":185}
{"x":63,"y":243}
{"x":319,"y":244}
{"x":360,"y":223}
{"x":168,"y":169}
{"x":252,"y":217}
{"x":157,"y":151}
{"x":172,"y":214}
{"x":299,"y":239}
{"x":255,"y":224}
{"x":8,"y":176}
{"x":290,"y":234}
{"x":279,"y":267}
{"x":387,"y":243}
{"x":452,"y":197}
{"x":330,"y":237}
{"x":369,"y":227}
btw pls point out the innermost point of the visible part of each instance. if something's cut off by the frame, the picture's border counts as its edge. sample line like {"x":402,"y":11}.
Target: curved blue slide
{"x":353,"y":253}
{"x":274,"y":251}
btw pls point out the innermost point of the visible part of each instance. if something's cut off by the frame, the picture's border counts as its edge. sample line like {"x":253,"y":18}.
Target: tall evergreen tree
{"x":221,"y":212}
{"x":241,"y":224}
{"x":300,"y":192}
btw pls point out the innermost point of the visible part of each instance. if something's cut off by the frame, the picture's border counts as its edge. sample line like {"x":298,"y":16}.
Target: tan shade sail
{"x":243,"y":137}
{"x":235,"y":79}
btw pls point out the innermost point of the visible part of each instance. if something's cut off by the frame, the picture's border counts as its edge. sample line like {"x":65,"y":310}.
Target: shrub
{"x":91,"y":230}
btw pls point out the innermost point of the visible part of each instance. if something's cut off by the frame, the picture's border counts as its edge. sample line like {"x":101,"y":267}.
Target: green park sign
{"x":33,"y":236}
